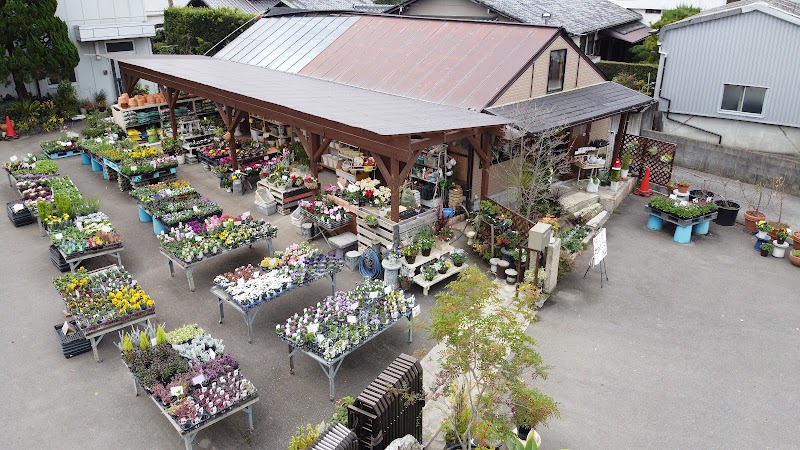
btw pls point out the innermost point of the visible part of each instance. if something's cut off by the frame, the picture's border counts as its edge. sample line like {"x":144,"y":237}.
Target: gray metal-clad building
{"x":733,"y":71}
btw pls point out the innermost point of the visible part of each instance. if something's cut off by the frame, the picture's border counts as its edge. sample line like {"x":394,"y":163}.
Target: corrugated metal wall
{"x":752,"y":49}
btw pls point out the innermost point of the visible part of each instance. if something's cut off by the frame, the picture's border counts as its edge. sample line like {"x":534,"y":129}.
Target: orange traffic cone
{"x":644,"y":188}
{"x":10,"y":129}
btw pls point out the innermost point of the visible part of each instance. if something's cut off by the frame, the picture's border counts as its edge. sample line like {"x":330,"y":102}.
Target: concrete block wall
{"x":730,"y":162}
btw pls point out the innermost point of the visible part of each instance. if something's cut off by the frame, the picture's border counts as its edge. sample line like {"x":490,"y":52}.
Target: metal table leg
{"x":249,"y":318}
{"x":190,"y":278}
{"x":332,"y":276}
{"x":269,"y":247}
{"x":410,"y":328}
{"x":10,"y":183}
{"x":292,"y":351}
{"x":248,"y":415}
{"x":94,"y":341}
{"x":171,"y":268}
{"x":119,"y":259}
{"x":221,"y":312}
{"x":188,"y":439}
{"x":330,"y":371}
{"x":136,"y":385}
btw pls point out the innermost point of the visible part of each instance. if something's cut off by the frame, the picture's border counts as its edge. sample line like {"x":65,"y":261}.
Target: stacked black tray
{"x":23,"y":217}
{"x":74,"y":344}
{"x":58,"y":260}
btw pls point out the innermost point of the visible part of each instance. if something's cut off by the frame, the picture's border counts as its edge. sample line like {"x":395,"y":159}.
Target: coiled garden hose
{"x":370,"y":265}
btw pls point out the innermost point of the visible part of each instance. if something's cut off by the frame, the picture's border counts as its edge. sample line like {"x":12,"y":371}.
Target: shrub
{"x":66,"y":100}
{"x":193,"y":31}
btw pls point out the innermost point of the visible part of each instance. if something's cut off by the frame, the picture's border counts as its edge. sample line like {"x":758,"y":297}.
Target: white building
{"x":651,"y":9}
{"x":98,"y":27}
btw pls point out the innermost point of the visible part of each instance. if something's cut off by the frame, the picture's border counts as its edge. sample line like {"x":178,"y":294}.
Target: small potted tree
{"x":486,"y":354}
{"x":625,"y":161}
{"x":530,"y":408}
{"x":753,"y":215}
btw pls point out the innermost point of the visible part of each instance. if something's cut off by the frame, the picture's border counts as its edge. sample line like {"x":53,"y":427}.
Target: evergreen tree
{"x":34,"y":43}
{"x":647,"y":51}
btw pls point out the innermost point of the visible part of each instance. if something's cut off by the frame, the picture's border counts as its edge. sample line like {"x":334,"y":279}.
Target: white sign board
{"x":600,"y":246}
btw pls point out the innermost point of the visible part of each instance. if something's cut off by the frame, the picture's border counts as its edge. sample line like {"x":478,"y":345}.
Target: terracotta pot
{"x":796,"y":239}
{"x":133,"y":103}
{"x":150,"y":98}
{"x":750,"y":219}
{"x":795,"y":260}
{"x":683,"y":188}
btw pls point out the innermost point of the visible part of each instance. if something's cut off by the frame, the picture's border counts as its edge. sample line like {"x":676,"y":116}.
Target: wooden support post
{"x":317,"y":154}
{"x":619,"y":136}
{"x":312,"y":152}
{"x":482,"y":145}
{"x":129,"y":82}
{"x":172,"y":99}
{"x":394,"y":185}
{"x":231,"y":120}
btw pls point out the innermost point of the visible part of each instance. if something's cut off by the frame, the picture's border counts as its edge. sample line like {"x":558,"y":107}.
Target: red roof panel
{"x":464,"y":64}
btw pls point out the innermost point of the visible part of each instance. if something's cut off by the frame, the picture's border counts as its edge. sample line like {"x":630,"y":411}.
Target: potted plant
{"x":763,"y":230}
{"x":753,"y":215}
{"x":672,"y":185}
{"x":625,"y":161}
{"x":779,"y":249}
{"x":766,"y":248}
{"x":794,"y":257}
{"x":429,"y":272}
{"x":410,"y":251}
{"x":728,"y":210}
{"x":614,"y":181}
{"x":424,"y":239}
{"x":101,"y":100}
{"x":152,"y":135}
{"x":371,"y":221}
{"x":781,"y":234}
{"x":486,"y":354}
{"x":683,"y":186}
{"x":459,"y":257}
{"x":529,"y":409}
{"x":405,"y":282}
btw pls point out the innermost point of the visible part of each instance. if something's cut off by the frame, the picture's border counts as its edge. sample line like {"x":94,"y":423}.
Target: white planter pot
{"x":779,"y":250}
{"x":254,"y":134}
{"x":181,"y":159}
{"x":761,"y":235}
{"x":614,"y":186}
{"x":624,"y":173}
{"x":592,"y":187}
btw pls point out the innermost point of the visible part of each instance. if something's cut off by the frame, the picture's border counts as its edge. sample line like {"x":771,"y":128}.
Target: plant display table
{"x":343,"y":322}
{"x":426,"y":284}
{"x":247,"y":288}
{"x":103,"y":301}
{"x":86,"y":237}
{"x":194,"y":242}
{"x":75,"y":261}
{"x":168,"y":204}
{"x":190,"y":379}
{"x":689,"y":218}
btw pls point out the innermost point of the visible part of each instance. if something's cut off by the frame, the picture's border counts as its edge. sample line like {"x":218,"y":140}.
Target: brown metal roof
{"x":456,"y":63}
{"x":376,"y":112}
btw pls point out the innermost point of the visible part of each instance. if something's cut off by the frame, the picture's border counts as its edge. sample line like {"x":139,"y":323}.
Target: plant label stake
{"x":600,"y":247}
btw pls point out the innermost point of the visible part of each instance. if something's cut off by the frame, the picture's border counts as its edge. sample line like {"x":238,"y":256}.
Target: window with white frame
{"x":744,"y":99}
{"x":54,"y":80}
{"x":119,"y":46}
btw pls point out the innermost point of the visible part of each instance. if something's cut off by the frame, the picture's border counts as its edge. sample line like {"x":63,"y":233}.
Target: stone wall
{"x":736,"y":163}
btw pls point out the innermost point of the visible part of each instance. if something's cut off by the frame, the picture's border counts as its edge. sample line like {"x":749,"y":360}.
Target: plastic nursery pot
{"x":751,"y":218}
{"x":426,"y":252}
{"x":410,"y":259}
{"x":699,"y":193}
{"x":726,"y":213}
{"x":765,"y":253}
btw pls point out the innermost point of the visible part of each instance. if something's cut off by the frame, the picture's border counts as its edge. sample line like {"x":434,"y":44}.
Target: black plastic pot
{"x":522,"y":432}
{"x":699,"y":193}
{"x":727,"y":212}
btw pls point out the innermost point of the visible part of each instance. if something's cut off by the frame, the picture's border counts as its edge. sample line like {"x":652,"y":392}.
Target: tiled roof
{"x":787,"y":6}
{"x":573,"y":107}
{"x":576,"y":16}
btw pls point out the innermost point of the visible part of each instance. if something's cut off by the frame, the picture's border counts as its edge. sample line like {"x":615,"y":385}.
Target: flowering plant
{"x":410,"y":250}
{"x":458,"y":256}
{"x":325,"y":212}
{"x":763,"y":226}
{"x":429,"y":272}
{"x":195,"y":240}
{"x":345,"y":319}
{"x":102,"y":299}
{"x":446,"y":233}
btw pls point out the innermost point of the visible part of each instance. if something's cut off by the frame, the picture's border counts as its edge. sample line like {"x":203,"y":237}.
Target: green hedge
{"x":612,"y":68}
{"x":192,"y":31}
